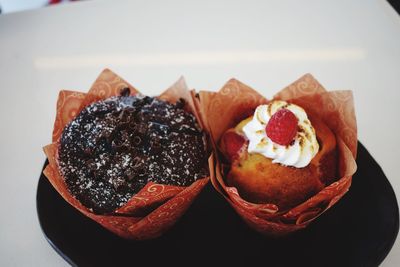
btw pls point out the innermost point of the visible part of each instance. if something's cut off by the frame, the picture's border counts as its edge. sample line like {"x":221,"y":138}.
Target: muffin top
{"x":114,"y":147}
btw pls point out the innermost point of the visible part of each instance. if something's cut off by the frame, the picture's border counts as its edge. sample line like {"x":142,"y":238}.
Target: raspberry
{"x":282,"y":127}
{"x":233,"y":143}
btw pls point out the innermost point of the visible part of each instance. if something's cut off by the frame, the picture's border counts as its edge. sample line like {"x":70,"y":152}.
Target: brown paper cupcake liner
{"x":236,"y":101}
{"x":156,"y":207}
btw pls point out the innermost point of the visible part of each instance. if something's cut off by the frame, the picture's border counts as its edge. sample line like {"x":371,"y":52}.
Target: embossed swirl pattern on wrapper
{"x":306,"y":85}
{"x":151,"y":193}
{"x":106,"y":85}
{"x":68,"y":106}
{"x":308,"y":93}
{"x":165,"y":216}
{"x":233,"y":100}
{"x":261,"y":210}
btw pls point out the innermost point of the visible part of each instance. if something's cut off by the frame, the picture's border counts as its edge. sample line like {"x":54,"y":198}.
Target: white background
{"x":8,"y":6}
{"x":265,"y":44}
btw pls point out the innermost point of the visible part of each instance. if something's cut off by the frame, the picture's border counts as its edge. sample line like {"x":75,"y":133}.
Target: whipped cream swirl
{"x":302,"y":149}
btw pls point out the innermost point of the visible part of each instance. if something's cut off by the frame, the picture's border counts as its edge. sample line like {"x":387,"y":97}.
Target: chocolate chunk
{"x":180,"y":103}
{"x":115,"y":146}
{"x":125,"y":91}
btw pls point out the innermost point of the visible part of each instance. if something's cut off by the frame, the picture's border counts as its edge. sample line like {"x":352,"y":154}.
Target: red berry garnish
{"x":233,"y":143}
{"x":282,"y":127}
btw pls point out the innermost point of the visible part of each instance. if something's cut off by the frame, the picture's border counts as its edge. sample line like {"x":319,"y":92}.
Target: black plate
{"x":358,"y":231}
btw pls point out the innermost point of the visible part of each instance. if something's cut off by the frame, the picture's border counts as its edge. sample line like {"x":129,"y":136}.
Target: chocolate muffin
{"x":114,"y":147}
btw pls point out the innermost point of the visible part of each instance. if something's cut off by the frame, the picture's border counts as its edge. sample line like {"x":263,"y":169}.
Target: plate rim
{"x":377,"y":261}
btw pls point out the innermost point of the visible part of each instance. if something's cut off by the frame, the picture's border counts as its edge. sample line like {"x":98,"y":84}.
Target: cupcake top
{"x":114,"y":147}
{"x":282,"y":131}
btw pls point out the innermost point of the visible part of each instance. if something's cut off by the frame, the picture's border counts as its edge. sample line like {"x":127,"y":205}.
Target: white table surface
{"x":266,"y":44}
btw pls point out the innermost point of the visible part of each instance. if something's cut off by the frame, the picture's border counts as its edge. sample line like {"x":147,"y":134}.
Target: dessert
{"x":279,"y":155}
{"x":106,"y":139}
{"x":114,"y":147}
{"x":277,"y":205}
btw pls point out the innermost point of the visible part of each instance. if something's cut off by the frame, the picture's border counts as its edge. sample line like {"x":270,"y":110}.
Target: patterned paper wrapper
{"x":236,"y":101}
{"x":156,"y":207}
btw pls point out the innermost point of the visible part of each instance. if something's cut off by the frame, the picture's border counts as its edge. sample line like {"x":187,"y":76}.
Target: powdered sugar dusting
{"x":114,"y":147}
